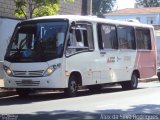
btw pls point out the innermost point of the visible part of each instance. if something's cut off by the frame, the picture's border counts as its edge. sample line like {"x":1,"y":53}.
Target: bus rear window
{"x":143,"y":38}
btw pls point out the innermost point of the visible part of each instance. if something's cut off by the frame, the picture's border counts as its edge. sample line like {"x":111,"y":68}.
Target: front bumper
{"x":53,"y":81}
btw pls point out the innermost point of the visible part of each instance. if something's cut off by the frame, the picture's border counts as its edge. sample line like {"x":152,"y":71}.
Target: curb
{"x":149,"y":80}
{"x":5,"y":92}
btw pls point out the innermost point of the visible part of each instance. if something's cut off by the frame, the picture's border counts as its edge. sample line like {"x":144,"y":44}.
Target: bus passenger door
{"x":108,"y":44}
{"x":79,"y":52}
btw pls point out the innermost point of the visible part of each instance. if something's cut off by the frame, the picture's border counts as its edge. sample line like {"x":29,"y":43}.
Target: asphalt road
{"x":111,"y":103}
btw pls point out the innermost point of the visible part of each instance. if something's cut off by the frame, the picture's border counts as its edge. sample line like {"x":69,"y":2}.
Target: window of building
{"x":139,"y":19}
{"x":151,"y":20}
{"x":143,"y":38}
{"x":107,"y":36}
{"x":126,"y":37}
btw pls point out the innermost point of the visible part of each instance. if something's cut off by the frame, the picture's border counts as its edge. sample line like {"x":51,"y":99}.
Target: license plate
{"x":27,"y":81}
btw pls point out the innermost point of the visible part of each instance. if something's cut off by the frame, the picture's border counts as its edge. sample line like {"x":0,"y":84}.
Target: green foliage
{"x":35,"y":8}
{"x":50,"y":9}
{"x":20,"y":8}
{"x":99,"y":7}
{"x":148,"y":3}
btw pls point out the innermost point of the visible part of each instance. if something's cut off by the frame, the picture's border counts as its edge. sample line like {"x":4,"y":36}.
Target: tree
{"x":36,"y":8}
{"x":148,"y":3}
{"x":99,"y":7}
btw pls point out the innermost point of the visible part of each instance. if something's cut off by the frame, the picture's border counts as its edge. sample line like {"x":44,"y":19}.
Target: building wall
{"x":7,"y":7}
{"x":71,"y":8}
{"x":143,"y":18}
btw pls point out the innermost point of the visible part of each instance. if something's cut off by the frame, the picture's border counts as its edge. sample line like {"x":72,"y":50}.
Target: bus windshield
{"x":37,"y":41}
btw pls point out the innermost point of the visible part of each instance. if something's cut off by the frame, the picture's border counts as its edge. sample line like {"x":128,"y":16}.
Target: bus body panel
{"x":86,"y":64}
{"x":26,"y":71}
{"x":146,"y":63}
{"x":120,"y":64}
{"x":146,"y":60}
{"x":98,"y":68}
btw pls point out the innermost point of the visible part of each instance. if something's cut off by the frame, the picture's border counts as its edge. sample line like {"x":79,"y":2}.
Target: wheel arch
{"x":78,"y":75}
{"x":137,"y":73}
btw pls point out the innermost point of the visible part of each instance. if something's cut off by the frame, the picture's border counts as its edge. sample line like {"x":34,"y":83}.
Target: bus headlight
{"x":8,"y":71}
{"x":51,"y":69}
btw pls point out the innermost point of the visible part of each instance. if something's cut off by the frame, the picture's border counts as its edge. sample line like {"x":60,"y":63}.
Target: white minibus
{"x":67,"y":52}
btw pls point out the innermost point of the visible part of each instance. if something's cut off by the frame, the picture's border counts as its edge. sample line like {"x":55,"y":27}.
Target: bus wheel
{"x":23,"y":92}
{"x":132,"y":84}
{"x":72,"y":89}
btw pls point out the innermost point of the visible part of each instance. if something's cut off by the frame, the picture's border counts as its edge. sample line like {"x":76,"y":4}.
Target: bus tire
{"x":23,"y":92}
{"x":72,"y":89}
{"x":132,"y":84}
{"x":158,"y":75}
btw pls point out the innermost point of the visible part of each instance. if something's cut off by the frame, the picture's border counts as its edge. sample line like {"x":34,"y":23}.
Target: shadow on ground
{"x":51,"y":96}
{"x":142,"y":112}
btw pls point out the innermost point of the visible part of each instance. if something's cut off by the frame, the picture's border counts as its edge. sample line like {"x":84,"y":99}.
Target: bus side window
{"x":107,"y":36}
{"x":89,"y":36}
{"x":126,"y":37}
{"x":80,"y":39}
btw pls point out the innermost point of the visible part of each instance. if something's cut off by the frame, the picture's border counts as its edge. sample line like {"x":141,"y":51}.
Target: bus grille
{"x":27,"y":83}
{"x":28,"y":73}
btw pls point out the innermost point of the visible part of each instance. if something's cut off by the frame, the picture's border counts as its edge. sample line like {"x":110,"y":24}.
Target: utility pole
{"x":90,"y":12}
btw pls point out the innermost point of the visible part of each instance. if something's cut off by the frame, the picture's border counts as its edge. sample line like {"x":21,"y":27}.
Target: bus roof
{"x":92,"y":19}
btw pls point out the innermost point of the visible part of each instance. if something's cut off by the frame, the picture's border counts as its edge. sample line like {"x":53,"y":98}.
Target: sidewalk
{"x":154,"y":78}
{"x":1,"y":83}
{"x":5,"y":92}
